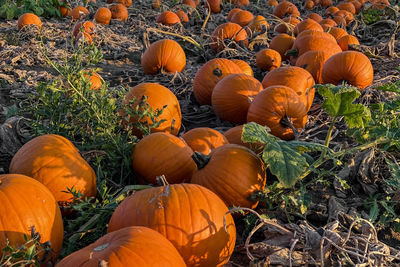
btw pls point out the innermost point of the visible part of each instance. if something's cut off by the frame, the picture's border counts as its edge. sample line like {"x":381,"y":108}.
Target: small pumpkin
{"x":214,"y":5}
{"x":204,"y":139}
{"x":326,"y":3}
{"x":190,"y":3}
{"x":312,"y":61}
{"x":190,"y":216}
{"x":86,"y":27}
{"x":314,"y":16}
{"x":287,"y":25}
{"x":259,"y":24}
{"x":83,"y":37}
{"x":340,"y":21}
{"x":103,"y":15}
{"x":162,"y":154}
{"x":286,"y":8}
{"x":65,"y":9}
{"x":29,"y":19}
{"x":126,"y":3}
{"x":348,"y":7}
{"x":357,"y":5}
{"x":119,"y":12}
{"x":330,"y":11}
{"x":274,"y":107}
{"x":345,"y":14}
{"x":156,"y":4}
{"x":232,"y":96}
{"x":233,"y":12}
{"x":243,"y":18}
{"x":309,"y":4}
{"x":209,"y":75}
{"x":165,"y":55}
{"x":183,"y":17}
{"x":233,"y":172}
{"x":347,"y":40}
{"x":226,"y":31}
{"x":329,"y":22}
{"x":268,"y":59}
{"x":168,"y":18}
{"x":337,"y":32}
{"x":79,"y":12}
{"x":95,"y":80}
{"x":282,"y":43}
{"x":273,"y":3}
{"x":129,"y":246}
{"x":240,"y":3}
{"x":246,"y":69}
{"x":351,"y":66}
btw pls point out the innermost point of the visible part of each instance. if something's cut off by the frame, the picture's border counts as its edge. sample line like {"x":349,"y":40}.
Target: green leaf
{"x":255,"y":133}
{"x":339,"y":102}
{"x":395,"y":173}
{"x":374,"y":211}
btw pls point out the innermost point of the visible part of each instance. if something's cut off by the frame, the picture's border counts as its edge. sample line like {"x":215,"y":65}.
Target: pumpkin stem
{"x":217,"y":72}
{"x":161,"y":180}
{"x":292,"y":53}
{"x":200,"y":159}
{"x":287,"y":122}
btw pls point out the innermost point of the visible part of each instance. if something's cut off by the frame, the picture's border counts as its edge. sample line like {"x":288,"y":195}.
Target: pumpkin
{"x":316,"y":34}
{"x":165,"y":55}
{"x":268,"y":59}
{"x":340,"y":21}
{"x":55,"y":162}
{"x":296,"y":78}
{"x":337,"y":32}
{"x":240,"y":3}
{"x":275,"y":104}
{"x":329,"y":22}
{"x":214,"y":5}
{"x":326,"y":3}
{"x":380,"y":4}
{"x":228,"y":30}
{"x":209,"y":75}
{"x":158,"y":97}
{"x":204,"y":139}
{"x":347,"y":40}
{"x":287,"y":25}
{"x":119,"y":12}
{"x":314,"y":16}
{"x":27,"y":204}
{"x":86,"y":27}
{"x":162,"y":154}
{"x":309,"y":4}
{"x":307,"y":24}
{"x":29,"y":19}
{"x":282,"y":43}
{"x":272,"y":3}
{"x":348,"y":7}
{"x":156,"y":4}
{"x":126,"y":3}
{"x":243,"y":18}
{"x":190,"y":3}
{"x":129,"y":246}
{"x":357,"y":5}
{"x":330,"y":11}
{"x":64,"y":8}
{"x":190,"y":216}
{"x":246,"y":69}
{"x":183,"y":17}
{"x":286,"y":8}
{"x":79,"y":12}
{"x":345,"y":14}
{"x":259,"y":24}
{"x":233,"y":12}
{"x":351,"y":66}
{"x":233,"y":172}
{"x":312,"y":61}
{"x":95,"y":80}
{"x":168,"y":18}
{"x":103,"y":15}
{"x":83,"y":37}
{"x":232,"y":96}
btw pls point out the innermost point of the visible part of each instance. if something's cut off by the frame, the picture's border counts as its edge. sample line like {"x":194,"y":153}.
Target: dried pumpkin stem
{"x":286,"y":121}
{"x":186,"y":38}
{"x":200,"y":159}
{"x":161,"y":180}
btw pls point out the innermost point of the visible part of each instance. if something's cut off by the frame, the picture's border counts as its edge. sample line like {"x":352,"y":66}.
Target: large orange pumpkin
{"x":347,"y":40}
{"x":307,"y":24}
{"x":314,"y":16}
{"x":190,"y":216}
{"x":103,"y":15}
{"x":233,"y":12}
{"x":286,"y":8}
{"x":165,"y":55}
{"x":163,"y":154}
{"x":232,"y":96}
{"x":225,"y":31}
{"x":27,"y":204}
{"x":233,"y":172}
{"x":29,"y":19}
{"x":55,"y":162}
{"x":312,"y":61}
{"x":209,"y":75}
{"x":158,"y":97}
{"x":129,"y":246}
{"x":350,"y":66}
{"x":282,"y":43}
{"x":246,"y":69}
{"x":337,"y":32}
{"x":243,"y":18}
{"x":204,"y":139}
{"x":275,"y":104}
{"x":348,"y":7}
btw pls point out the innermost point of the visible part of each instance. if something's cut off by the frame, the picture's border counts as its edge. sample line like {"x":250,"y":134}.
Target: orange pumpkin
{"x":287,"y":25}
{"x":26,"y":203}
{"x":29,"y":19}
{"x":347,"y":40}
{"x":209,"y":75}
{"x":357,"y":5}
{"x":309,"y":4}
{"x":268,"y":59}
{"x":103,"y":15}
{"x":79,"y":12}
{"x":55,"y":162}
{"x":119,"y":12}
{"x":65,"y":9}
{"x":286,"y":8}
{"x":380,"y":4}
{"x":214,"y":5}
{"x":246,"y":69}
{"x":326,"y":3}
{"x":345,"y":14}
{"x":348,"y":7}
{"x":204,"y":139}
{"x":165,"y":55}
{"x":329,"y":22}
{"x":232,"y":96}
{"x":158,"y":97}
{"x":240,"y":3}
{"x":126,"y":3}
{"x":330,"y":11}
{"x":351,"y":66}
{"x":190,"y":3}
{"x":163,"y":154}
{"x":233,"y":172}
{"x":129,"y":246}
{"x":307,"y":24}
{"x":156,"y":4}
{"x":282,"y":43}
{"x":168,"y":18}
{"x":233,"y":12}
{"x":272,"y":3}
{"x":340,"y":21}
{"x":183,"y":17}
{"x":314,"y":16}
{"x":312,"y":61}
{"x":83,"y":37}
{"x":243,"y":18}
{"x":225,"y":31}
{"x":86,"y":27}
{"x":190,"y":216}
{"x":259,"y":24}
{"x":337,"y":32}
{"x":275,"y":104}
{"x":95,"y":80}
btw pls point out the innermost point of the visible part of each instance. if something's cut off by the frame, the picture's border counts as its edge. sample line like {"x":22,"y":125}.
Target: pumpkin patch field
{"x":199,"y":133}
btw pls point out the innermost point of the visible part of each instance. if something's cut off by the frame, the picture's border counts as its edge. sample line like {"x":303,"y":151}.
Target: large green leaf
{"x":255,"y":133}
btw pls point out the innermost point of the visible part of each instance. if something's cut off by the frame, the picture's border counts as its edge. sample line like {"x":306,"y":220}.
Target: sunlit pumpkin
{"x":29,"y":19}
{"x":204,"y":139}
{"x":228,"y":31}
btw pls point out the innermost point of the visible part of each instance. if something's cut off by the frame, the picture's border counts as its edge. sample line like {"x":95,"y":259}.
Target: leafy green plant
{"x":11,"y":9}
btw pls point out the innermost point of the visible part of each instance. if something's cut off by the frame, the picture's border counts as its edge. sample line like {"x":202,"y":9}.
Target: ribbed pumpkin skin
{"x":312,"y":61}
{"x":246,"y":69}
{"x":234,"y":136}
{"x":168,"y":18}
{"x":129,"y":246}
{"x":182,"y":16}
{"x":233,"y":12}
{"x":314,"y":16}
{"x":188,"y":215}
{"x":189,"y":3}
{"x":296,"y":78}
{"x":163,"y":154}
{"x":351,"y":66}
{"x":281,"y":43}
{"x":329,"y":22}
{"x":55,"y":162}
{"x":232,"y":96}
{"x":348,"y":7}
{"x":272,"y":104}
{"x":234,"y":173}
{"x":337,"y":32}
{"x":330,"y":11}
{"x":268,"y":59}
{"x":258,"y":23}
{"x":103,"y":15}
{"x":243,"y":18}
{"x":345,"y":14}
{"x":25,"y":203}
{"x":307,"y":24}
{"x":119,"y":11}
{"x":319,"y":34}
{"x":286,"y":8}
{"x":157,"y":97}
{"x":346,"y":40}
{"x":166,"y":55}
{"x":215,"y":5}
{"x":29,"y":19}
{"x":227,"y":30}
{"x":204,"y":139}
{"x":209,"y":75}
